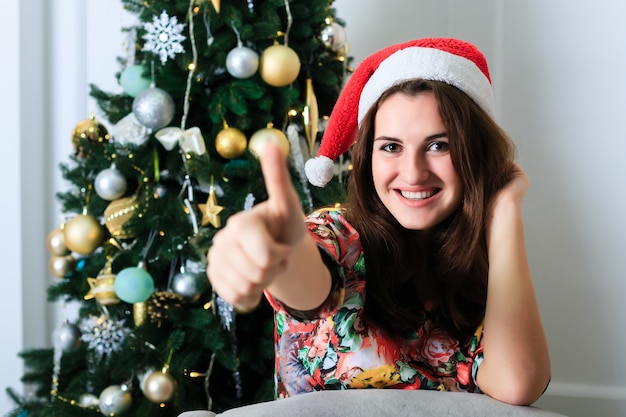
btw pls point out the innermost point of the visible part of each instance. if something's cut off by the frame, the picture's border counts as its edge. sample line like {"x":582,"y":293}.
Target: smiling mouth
{"x":418,"y":195}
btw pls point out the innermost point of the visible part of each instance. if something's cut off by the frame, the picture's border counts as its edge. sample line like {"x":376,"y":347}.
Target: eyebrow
{"x":426,"y":139}
{"x":437,"y":136}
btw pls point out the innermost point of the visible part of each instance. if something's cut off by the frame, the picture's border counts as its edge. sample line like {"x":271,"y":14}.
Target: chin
{"x":421,"y":223}
{"x":417,"y":225}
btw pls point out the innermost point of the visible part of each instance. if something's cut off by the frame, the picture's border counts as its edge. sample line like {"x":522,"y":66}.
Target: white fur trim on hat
{"x":319,"y":170}
{"x":431,"y":64}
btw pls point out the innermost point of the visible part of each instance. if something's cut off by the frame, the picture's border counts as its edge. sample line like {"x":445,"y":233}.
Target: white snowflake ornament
{"x":103,"y":335}
{"x":163,"y":37}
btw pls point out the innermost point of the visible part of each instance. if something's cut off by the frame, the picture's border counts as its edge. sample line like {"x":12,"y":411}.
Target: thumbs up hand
{"x":256,"y":246}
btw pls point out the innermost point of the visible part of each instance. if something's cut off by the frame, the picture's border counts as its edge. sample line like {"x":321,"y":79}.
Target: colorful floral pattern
{"x":333,"y":348}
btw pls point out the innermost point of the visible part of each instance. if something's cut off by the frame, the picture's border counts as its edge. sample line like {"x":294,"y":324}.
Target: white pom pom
{"x":319,"y":170}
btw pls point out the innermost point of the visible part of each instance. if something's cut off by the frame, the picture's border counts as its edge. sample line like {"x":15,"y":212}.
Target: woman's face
{"x":411,"y":165}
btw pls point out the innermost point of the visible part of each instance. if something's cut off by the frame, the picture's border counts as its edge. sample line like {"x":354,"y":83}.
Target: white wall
{"x":52,"y":50}
{"x":10,"y":309}
{"x":559,"y":71}
{"x":559,"y":75}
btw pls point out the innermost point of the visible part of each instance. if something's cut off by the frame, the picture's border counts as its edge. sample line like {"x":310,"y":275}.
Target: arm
{"x":516,"y":366}
{"x":268,"y":247}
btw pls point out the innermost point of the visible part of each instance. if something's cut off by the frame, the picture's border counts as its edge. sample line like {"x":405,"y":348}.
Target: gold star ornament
{"x":102,"y":287}
{"x":211,"y":210}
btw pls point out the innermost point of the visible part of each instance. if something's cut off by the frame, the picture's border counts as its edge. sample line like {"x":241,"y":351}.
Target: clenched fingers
{"x":243,"y":260}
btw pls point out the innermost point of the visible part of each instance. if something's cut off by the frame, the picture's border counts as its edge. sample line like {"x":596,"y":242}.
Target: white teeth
{"x":419,"y":195}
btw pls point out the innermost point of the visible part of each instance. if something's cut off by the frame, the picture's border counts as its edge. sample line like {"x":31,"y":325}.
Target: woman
{"x":395,"y":288}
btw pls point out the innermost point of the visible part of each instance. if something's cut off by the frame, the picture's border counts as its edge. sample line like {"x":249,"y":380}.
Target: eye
{"x":390,"y":147}
{"x":438,"y":146}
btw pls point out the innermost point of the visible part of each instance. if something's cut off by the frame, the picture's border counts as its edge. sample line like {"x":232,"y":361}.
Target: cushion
{"x":382,"y":402}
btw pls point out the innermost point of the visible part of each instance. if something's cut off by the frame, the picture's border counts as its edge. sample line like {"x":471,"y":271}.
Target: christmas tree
{"x":205,"y":87}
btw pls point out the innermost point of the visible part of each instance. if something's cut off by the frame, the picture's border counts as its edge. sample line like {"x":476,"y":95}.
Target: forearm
{"x":306,"y":282}
{"x":516,"y":365}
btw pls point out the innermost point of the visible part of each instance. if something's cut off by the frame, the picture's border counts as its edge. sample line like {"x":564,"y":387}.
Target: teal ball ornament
{"x":133,"y":285}
{"x":133,"y":80}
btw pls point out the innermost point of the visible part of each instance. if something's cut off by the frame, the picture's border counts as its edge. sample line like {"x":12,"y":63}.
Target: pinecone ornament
{"x":160,"y":302}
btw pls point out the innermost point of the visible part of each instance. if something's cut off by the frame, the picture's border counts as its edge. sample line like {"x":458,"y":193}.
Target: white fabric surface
{"x":382,"y":402}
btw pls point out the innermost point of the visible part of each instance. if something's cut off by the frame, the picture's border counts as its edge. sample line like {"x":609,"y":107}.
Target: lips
{"x":418,"y":195}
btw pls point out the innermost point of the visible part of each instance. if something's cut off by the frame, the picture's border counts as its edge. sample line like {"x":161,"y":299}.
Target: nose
{"x":414,"y":169}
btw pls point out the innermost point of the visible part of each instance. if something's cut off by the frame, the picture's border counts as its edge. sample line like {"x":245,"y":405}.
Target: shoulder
{"x":331,"y":219}
{"x":333,"y":232}
{"x":327,"y":214}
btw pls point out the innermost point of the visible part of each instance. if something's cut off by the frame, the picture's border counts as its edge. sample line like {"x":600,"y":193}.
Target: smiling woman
{"x":395,"y":288}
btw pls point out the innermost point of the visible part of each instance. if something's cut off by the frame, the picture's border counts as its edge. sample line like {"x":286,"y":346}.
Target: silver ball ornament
{"x":67,"y":337}
{"x":242,"y":62}
{"x":159,"y":387}
{"x":154,"y":108}
{"x":333,"y":36}
{"x":114,"y":400}
{"x":110,"y":184}
{"x":189,"y":285}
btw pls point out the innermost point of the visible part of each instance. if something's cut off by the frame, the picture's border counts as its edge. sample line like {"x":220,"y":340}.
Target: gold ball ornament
{"x":83,"y":234}
{"x":230,"y":142}
{"x":56,"y":243}
{"x":91,"y":130}
{"x":279,"y":65}
{"x":117,"y":213}
{"x":264,"y":136}
{"x":159,"y":386}
{"x":60,"y":266}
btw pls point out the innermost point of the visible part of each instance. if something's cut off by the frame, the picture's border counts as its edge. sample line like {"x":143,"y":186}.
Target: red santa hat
{"x":452,"y":61}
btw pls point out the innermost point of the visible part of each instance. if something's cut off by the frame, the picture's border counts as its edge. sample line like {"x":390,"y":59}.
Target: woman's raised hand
{"x":255,"y":246}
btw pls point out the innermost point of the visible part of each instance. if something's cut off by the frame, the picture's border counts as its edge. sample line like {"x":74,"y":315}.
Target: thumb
{"x":283,"y":203}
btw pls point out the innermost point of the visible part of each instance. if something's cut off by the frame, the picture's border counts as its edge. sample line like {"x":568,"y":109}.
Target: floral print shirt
{"x":334,"y":348}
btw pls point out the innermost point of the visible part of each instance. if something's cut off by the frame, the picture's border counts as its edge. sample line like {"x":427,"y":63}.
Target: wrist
{"x":505,"y":220}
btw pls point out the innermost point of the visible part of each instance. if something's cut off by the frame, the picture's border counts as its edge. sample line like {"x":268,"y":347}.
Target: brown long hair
{"x":449,"y":268}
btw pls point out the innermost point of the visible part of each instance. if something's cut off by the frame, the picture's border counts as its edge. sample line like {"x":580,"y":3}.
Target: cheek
{"x":380,"y":173}
{"x":446,"y":172}
{"x":454,"y":181}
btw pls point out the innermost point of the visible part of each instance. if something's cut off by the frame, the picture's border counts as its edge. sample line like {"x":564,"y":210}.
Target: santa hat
{"x":452,"y":61}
